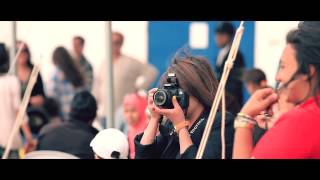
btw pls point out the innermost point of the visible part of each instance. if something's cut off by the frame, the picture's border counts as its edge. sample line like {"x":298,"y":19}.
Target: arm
{"x":184,"y":140}
{"x":177,"y":117}
{"x":37,"y":94}
{"x":98,"y":83}
{"x":148,"y":74}
{"x":259,"y":101}
{"x":89,"y":75}
{"x":152,"y":146}
{"x":150,"y":132}
{"x":16,"y":103}
{"x":26,"y":131}
{"x":147,"y":145}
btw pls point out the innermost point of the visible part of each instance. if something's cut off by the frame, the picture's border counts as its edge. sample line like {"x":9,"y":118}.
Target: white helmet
{"x":110,"y":144}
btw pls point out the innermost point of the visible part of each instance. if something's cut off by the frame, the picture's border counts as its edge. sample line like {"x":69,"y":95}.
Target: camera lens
{"x":160,"y":98}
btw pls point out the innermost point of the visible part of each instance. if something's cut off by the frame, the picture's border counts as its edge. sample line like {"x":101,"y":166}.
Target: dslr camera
{"x":163,"y":97}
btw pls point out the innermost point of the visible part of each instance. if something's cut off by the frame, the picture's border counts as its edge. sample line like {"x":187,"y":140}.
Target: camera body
{"x":163,"y":97}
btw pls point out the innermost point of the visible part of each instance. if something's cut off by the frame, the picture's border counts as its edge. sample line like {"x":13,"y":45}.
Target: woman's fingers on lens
{"x":164,"y":112}
{"x":152,"y":91}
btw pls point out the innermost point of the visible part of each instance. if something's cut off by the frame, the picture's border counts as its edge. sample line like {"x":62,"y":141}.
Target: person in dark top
{"x":255,"y":79}
{"x":74,"y":136}
{"x":181,"y":133}
{"x":224,"y":36}
{"x":52,"y":109}
{"x":24,"y":67}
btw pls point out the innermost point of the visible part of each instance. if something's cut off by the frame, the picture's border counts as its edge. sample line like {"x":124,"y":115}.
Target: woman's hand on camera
{"x":151,"y":106}
{"x":175,"y":115}
{"x":261,"y":100}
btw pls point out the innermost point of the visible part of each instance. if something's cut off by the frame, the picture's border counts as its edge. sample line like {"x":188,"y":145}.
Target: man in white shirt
{"x":129,"y":75}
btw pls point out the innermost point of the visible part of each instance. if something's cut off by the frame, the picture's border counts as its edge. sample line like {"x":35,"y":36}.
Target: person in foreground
{"x":294,"y":133}
{"x":180,"y":109}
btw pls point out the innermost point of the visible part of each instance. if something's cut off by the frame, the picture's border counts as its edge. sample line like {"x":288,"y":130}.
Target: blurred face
{"x":131,"y":115}
{"x":77,"y":47}
{"x":251,"y":87}
{"x":22,"y":58}
{"x":116,"y":44}
{"x":221,"y":39}
{"x":298,"y":89}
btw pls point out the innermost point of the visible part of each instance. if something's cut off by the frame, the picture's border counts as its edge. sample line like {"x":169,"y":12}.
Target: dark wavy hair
{"x":195,"y":76}
{"x":4,"y":59}
{"x":65,"y":63}
{"x":25,"y":49}
{"x":306,"y":41}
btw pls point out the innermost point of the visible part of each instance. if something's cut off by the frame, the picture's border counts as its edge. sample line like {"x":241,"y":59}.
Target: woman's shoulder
{"x":301,"y":118}
{"x":11,"y":79}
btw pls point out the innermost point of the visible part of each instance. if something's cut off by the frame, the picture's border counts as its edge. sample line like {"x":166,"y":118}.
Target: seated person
{"x":74,"y":136}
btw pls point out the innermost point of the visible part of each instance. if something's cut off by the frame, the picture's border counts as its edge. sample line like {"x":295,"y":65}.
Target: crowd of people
{"x":278,"y":122}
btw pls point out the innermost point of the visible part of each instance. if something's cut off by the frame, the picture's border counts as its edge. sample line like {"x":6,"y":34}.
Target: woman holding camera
{"x":181,"y":134}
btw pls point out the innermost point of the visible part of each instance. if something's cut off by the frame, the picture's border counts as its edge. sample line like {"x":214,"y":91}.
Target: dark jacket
{"x":234,"y":84}
{"x":166,"y":146}
{"x":257,"y":134}
{"x":71,"y":137}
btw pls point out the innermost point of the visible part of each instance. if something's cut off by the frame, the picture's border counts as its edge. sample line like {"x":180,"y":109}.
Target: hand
{"x":31,"y":145}
{"x":259,"y":101}
{"x":175,"y":115}
{"x":37,"y":100}
{"x":262,"y":119}
{"x":152,"y":106}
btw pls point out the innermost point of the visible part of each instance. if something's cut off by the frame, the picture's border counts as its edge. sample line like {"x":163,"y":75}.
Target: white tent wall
{"x":270,"y":40}
{"x":6,"y":36}
{"x":6,"y":33}
{"x":44,"y":36}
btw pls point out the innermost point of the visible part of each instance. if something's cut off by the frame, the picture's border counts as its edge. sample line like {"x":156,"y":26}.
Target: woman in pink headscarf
{"x":134,"y":106}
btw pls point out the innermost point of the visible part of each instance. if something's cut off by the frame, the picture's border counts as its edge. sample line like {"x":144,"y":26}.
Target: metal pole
{"x":109,"y":101}
{"x":14,"y":42}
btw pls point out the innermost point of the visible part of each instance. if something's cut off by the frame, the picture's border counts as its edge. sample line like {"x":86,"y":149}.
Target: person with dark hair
{"x":75,"y":135}
{"x":9,"y":106}
{"x":129,"y":75}
{"x":66,"y":80}
{"x":52,"y":109}
{"x":254,"y":79}
{"x":182,"y":129}
{"x":295,"y":134}
{"x":24,"y":67}
{"x":82,"y":62}
{"x":224,"y":36}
